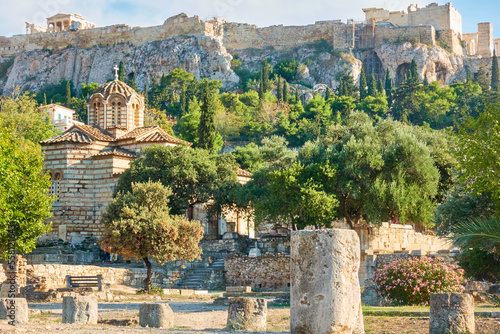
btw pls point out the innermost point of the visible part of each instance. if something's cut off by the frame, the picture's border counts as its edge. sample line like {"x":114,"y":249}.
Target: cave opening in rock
{"x":402,"y":73}
{"x":441,"y":73}
{"x":372,"y":64}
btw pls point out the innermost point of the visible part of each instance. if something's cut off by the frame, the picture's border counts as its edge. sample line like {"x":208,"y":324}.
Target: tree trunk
{"x":346,"y":214}
{"x":147,"y":280}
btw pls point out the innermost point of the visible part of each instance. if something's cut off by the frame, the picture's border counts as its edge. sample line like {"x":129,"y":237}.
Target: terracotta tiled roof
{"x":242,"y":172}
{"x":116,"y":87}
{"x":116,"y":151}
{"x":73,"y":136}
{"x":151,"y":134}
{"x":95,"y":132}
{"x":137,"y":132}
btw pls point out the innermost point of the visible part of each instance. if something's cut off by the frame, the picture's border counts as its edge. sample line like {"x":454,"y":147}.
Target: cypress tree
{"x":206,"y":129}
{"x":372,"y":86}
{"x":482,"y":80}
{"x":121,"y":71}
{"x":133,"y":85}
{"x":183,"y":107}
{"x":286,"y":96}
{"x":261,"y":85}
{"x":362,"y":84}
{"x":414,"y":71}
{"x":388,"y":87}
{"x":266,"y":86}
{"x":495,"y":73}
{"x":145,"y":93}
{"x":327,"y":94}
{"x":68,"y":94}
{"x":44,"y":99}
{"x":380,"y":86}
{"x":297,"y":96}
{"x":279,"y":93}
{"x":469,"y":77}
{"x":426,"y":81}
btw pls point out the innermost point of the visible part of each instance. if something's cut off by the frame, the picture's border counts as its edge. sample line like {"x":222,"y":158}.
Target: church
{"x":86,"y":161}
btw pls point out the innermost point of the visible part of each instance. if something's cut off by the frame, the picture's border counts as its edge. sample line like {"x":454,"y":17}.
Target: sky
{"x":14,"y":13}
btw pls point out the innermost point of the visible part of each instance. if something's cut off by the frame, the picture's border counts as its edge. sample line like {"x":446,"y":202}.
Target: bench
{"x":84,"y":282}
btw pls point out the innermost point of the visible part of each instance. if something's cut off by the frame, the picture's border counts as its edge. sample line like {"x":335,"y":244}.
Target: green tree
{"x":286,"y":94}
{"x":482,"y":234}
{"x":266,"y":85}
{"x":67,"y":103}
{"x":413,"y":74}
{"x":193,"y":174}
{"x":121,"y":71}
{"x":372,"y":86}
{"x":286,"y":69}
{"x":206,"y":130}
{"x":478,"y":152}
{"x":481,"y":79}
{"x":189,"y":122}
{"x":183,"y":101}
{"x":279,"y":92}
{"x":138,"y":224}
{"x":362,"y":85}
{"x":380,"y":86}
{"x":388,"y":87}
{"x":24,"y":198}
{"x":381,"y":170}
{"x":20,"y":116}
{"x":88,"y":90}
{"x":495,"y":74}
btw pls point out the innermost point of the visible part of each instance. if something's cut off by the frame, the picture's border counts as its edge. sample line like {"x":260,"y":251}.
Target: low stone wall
{"x":274,"y":244}
{"x":218,"y":245}
{"x":270,"y":271}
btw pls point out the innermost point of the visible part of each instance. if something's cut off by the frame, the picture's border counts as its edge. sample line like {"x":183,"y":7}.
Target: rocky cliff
{"x":206,"y":56}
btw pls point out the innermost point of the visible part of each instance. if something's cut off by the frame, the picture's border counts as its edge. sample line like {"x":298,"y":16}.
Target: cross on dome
{"x":116,"y":72}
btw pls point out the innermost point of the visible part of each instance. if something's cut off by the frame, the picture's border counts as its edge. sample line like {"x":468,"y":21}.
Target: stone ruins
{"x":429,"y":25}
{"x":325,"y":295}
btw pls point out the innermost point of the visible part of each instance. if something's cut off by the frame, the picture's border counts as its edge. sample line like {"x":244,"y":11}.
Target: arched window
{"x":119,"y":114}
{"x":113,"y":114}
{"x":55,"y":179}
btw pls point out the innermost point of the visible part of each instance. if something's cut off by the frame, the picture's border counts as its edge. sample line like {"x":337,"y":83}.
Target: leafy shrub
{"x":411,"y":281}
{"x":480,"y":265}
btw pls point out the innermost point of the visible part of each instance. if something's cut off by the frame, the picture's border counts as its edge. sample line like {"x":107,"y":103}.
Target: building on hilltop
{"x":86,"y":161}
{"x":445,"y":19}
{"x":61,"y":22}
{"x":61,"y":117}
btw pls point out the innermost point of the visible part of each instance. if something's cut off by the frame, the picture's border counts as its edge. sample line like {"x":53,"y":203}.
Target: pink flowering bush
{"x":411,"y":281}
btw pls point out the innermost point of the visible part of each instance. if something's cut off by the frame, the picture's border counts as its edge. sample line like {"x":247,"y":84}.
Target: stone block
{"x":156,"y":316}
{"x":240,"y":289}
{"x":79,"y":310}
{"x":14,"y":309}
{"x":451,"y":313}
{"x":254,"y":252}
{"x":325,"y":295}
{"x":248,"y":314}
{"x":186,"y":292}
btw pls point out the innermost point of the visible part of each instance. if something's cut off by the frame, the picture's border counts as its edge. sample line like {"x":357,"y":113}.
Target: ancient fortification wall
{"x":235,"y":36}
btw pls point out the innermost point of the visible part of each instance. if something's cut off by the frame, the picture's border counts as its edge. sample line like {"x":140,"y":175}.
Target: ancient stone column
{"x":249,"y":314}
{"x":79,"y":310}
{"x":325,"y":296}
{"x":14,"y":309}
{"x":451,"y":313}
{"x":156,"y":316}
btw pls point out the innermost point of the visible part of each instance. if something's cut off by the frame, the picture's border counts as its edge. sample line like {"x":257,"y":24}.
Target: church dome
{"x":116,"y":87}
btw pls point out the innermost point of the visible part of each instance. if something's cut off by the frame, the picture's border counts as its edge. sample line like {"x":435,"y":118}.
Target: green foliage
{"x":121,"y":71}
{"x":460,"y":205}
{"x":381,"y":170}
{"x":296,"y":197}
{"x":480,"y":265}
{"x":20,"y":116}
{"x":362,"y":85}
{"x":376,"y":107}
{"x":481,"y":234}
{"x":189,"y":122}
{"x":55,"y":93}
{"x":388,"y":87}
{"x":286,"y":69}
{"x":206,"y":129}
{"x":192,"y":174}
{"x":495,"y":74}
{"x":138,"y":224}
{"x":88,"y":90}
{"x":478,"y":152}
{"x":372,"y":86}
{"x":412,"y":281}
{"x":68,"y":95}
{"x":24,"y":199}
{"x":155,"y":117}
{"x":5,"y":65}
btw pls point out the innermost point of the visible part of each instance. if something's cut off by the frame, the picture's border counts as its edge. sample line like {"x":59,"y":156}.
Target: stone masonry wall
{"x":271,"y":271}
{"x":235,"y":36}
